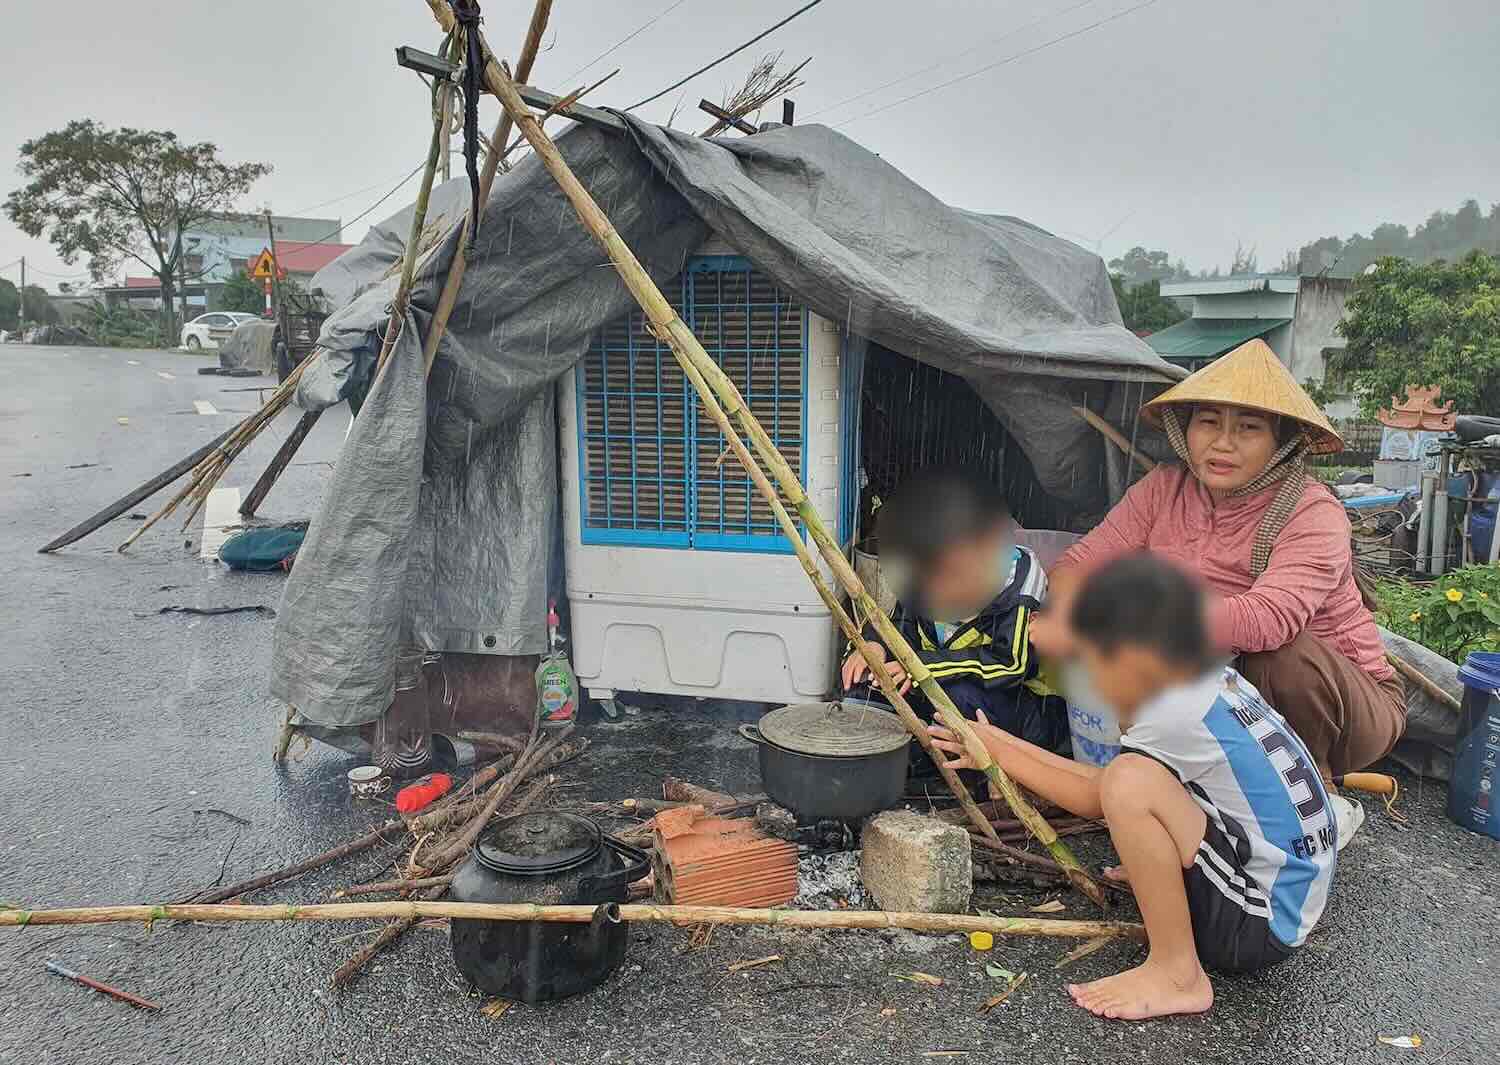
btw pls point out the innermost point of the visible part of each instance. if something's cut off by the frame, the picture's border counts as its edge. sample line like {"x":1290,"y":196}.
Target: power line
{"x":726,"y":55}
{"x":345,"y":196}
{"x":367,"y":210}
{"x":949,"y":58}
{"x":999,"y":63}
{"x":642,"y":28}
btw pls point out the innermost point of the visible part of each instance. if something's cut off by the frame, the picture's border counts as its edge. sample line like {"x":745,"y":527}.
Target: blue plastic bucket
{"x":1472,"y":798}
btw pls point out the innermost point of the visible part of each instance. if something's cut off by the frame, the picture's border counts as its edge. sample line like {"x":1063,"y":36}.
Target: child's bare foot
{"x":1151,"y":989}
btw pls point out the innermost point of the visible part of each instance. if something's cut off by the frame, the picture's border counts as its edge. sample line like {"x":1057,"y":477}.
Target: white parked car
{"x":208,"y":331}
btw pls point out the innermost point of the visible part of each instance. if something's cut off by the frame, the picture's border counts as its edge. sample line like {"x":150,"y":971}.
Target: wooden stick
{"x":386,"y":833}
{"x":685,"y":916}
{"x":289,"y":448}
{"x":396,"y":929}
{"x":534,"y":757}
{"x":677,"y":790}
{"x":1038,"y":861}
{"x":402,"y":886}
{"x":397,"y":320}
{"x":667,"y":325}
{"x":135,"y":495}
{"x":1423,"y":681}
{"x":1112,"y":434}
{"x":436,"y":816}
{"x":284,"y":736}
{"x":388,"y":935}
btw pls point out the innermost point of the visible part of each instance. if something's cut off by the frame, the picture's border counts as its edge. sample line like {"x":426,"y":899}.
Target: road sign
{"x":261,"y":268}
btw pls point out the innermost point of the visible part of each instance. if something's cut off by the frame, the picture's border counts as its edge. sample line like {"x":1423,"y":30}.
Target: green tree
{"x":241,"y":293}
{"x":1138,"y":266}
{"x":118,"y":194}
{"x":1426,"y":324}
{"x":1143,"y":307}
{"x":10,"y":304}
{"x":39,"y":309}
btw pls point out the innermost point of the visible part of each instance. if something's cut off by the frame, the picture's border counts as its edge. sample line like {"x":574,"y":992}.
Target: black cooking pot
{"x":549,"y":859}
{"x":826,"y":760}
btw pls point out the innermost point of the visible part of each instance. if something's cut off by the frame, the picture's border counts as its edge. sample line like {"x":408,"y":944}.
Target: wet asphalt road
{"x":136,"y":767}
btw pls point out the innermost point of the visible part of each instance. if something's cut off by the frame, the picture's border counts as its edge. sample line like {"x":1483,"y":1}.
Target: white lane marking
{"x":203,"y":406}
{"x":165,"y":376}
{"x":220,"y":514}
{"x":132,"y":362}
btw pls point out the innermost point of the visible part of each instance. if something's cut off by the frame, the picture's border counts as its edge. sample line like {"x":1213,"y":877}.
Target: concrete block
{"x":912,"y":862}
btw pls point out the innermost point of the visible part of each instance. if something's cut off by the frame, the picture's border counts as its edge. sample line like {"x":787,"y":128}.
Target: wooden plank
{"x":709,"y":107}
{"x":544,"y":100}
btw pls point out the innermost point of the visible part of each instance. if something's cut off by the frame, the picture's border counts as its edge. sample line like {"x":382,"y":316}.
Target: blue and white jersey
{"x":1256,"y":781}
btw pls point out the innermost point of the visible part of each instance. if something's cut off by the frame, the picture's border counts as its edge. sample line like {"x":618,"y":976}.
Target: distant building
{"x":1296,"y":316}
{"x":216,"y":250}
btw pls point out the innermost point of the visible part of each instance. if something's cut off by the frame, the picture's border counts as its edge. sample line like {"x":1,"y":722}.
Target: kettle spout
{"x":606,"y":916}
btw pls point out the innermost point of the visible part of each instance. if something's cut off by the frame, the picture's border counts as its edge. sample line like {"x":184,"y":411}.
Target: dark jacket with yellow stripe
{"x":987,"y":663}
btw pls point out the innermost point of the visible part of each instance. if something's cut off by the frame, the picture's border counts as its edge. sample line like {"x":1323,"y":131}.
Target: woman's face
{"x":1229,"y":446}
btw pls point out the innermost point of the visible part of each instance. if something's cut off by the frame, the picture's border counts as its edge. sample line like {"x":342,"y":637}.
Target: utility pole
{"x":21,"y":325}
{"x":275,"y":268}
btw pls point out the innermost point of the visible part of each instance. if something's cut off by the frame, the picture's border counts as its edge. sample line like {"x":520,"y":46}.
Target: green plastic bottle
{"x":556,"y":685}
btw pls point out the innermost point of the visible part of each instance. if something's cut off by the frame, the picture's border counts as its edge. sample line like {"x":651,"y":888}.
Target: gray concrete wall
{"x":1320,"y":306}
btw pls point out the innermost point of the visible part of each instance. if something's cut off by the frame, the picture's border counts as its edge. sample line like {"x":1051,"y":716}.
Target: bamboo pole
{"x":397,"y":320}
{"x":686,"y":916}
{"x":1110,"y":433}
{"x":846,"y":624}
{"x":689,"y":352}
{"x":1423,"y":681}
{"x":454,"y":281}
{"x":279,"y":463}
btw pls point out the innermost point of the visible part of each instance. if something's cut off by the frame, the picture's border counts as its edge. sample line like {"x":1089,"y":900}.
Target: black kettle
{"x":550,"y":859}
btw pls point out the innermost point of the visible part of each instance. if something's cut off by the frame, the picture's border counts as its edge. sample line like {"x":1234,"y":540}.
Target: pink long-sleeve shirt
{"x":1307,"y":585}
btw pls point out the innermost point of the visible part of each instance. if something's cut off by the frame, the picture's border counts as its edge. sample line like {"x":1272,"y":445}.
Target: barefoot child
{"x":966,"y":593}
{"x":1221,"y":823}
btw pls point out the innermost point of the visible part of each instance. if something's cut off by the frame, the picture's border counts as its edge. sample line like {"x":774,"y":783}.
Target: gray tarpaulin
{"x":438,"y":525}
{"x":250,"y":347}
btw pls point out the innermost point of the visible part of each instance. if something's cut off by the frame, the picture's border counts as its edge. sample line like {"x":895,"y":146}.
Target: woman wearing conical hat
{"x":1243,"y":514}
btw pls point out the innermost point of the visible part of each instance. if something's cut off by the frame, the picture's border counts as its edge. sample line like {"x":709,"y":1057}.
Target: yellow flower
{"x":1453,"y":595}
{"x":1416,"y":615}
{"x":1484,"y":595}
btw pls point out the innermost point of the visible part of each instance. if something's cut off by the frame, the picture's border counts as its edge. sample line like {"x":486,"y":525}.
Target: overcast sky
{"x":1188,"y":125}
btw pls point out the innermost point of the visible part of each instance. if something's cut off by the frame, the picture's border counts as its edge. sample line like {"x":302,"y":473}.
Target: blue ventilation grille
{"x":654,"y":467}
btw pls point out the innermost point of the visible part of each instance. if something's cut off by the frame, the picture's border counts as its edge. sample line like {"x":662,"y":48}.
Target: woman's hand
{"x":954,"y":754}
{"x":857,"y":669}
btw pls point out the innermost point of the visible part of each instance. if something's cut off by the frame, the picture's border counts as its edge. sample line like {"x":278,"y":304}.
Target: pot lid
{"x":538,"y":843}
{"x":837,"y":730}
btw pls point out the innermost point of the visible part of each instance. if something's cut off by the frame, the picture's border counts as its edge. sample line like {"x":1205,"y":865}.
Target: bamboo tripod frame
{"x":721,"y":399}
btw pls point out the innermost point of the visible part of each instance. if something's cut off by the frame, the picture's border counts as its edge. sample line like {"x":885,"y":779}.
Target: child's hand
{"x":856,"y":668}
{"x":954,"y":754}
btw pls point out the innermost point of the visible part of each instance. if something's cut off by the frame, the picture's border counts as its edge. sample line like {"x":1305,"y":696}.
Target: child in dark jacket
{"x":966,"y":593}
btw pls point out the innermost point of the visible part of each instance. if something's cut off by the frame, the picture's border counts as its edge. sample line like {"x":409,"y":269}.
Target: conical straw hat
{"x":1250,"y":376}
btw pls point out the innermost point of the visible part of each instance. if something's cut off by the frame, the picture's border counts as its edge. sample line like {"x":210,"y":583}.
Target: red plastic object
{"x":423,"y":792}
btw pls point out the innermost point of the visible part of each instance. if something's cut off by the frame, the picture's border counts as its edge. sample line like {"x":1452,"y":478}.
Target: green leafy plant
{"x":1432,"y":324}
{"x":1454,"y":615}
{"x":241,"y":293}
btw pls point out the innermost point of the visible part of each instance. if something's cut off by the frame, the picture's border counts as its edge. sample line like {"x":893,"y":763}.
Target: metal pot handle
{"x":752,"y":733}
{"x":599,"y":889}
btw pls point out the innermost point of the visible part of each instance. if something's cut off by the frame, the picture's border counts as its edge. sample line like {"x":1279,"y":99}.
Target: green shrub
{"x":1455,"y":614}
